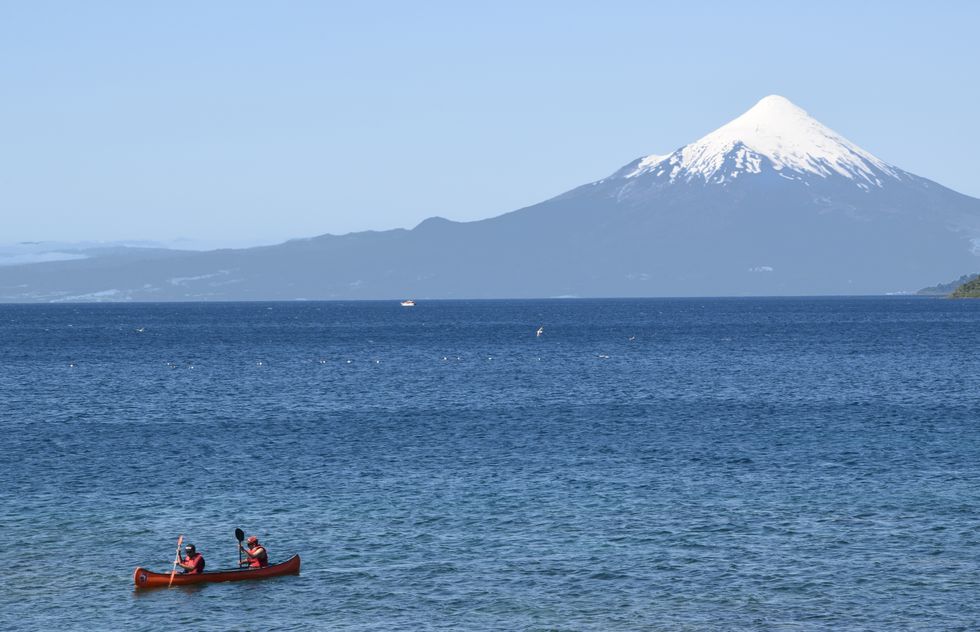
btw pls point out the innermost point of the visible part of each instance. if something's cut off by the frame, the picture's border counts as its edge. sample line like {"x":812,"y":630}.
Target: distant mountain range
{"x":772,"y":203}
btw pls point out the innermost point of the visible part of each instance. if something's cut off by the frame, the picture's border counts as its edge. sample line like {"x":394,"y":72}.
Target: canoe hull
{"x":144,"y":579}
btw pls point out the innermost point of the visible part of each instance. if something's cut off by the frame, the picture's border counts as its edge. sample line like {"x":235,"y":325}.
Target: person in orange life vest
{"x":257,"y":555}
{"x":193,"y":564}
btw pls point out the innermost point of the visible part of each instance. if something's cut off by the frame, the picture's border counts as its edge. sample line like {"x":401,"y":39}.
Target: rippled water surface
{"x":725,"y":464}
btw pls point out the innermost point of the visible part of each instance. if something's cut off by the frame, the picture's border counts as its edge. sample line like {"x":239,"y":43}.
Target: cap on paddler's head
{"x":252,"y":539}
{"x":189,"y":547}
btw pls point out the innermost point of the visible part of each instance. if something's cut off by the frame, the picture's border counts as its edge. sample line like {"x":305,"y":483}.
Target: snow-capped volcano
{"x":773,"y":203}
{"x":774,"y":134}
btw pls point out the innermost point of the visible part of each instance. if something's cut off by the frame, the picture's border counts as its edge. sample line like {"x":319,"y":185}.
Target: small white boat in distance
{"x":408,"y":303}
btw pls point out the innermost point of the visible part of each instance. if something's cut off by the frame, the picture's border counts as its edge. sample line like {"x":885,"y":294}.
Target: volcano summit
{"x":772,"y":203}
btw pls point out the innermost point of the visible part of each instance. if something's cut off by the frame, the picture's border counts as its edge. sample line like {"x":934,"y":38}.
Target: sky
{"x":240,"y":123}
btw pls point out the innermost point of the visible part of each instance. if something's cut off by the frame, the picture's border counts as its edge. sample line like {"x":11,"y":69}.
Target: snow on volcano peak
{"x":776,"y":130}
{"x":646,"y":163}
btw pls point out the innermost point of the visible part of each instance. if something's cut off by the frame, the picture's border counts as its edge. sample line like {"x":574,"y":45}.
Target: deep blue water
{"x":740,"y":464}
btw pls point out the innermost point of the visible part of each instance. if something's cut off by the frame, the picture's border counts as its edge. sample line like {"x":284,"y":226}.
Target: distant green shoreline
{"x":970,"y":289}
{"x":964,"y":287}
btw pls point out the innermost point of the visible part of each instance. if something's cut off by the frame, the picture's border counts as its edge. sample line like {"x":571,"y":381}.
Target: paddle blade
{"x":239,"y":535}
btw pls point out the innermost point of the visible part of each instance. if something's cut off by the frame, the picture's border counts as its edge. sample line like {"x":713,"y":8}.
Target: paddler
{"x":193,"y":564}
{"x":257,"y":555}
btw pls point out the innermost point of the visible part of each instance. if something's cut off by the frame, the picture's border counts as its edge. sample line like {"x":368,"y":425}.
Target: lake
{"x":676,"y":464}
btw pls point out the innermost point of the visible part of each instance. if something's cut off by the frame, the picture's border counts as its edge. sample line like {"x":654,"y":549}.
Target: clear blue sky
{"x":256,"y":122}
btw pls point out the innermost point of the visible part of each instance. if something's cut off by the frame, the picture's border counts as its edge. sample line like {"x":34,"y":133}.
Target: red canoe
{"x":143,"y":578}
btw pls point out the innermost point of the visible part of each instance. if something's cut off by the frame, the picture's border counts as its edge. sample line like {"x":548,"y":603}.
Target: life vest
{"x":198,"y":561}
{"x":258,"y":562}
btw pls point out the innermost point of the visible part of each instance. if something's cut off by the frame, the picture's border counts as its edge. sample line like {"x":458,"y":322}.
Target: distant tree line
{"x":970,"y":289}
{"x":945,"y":289}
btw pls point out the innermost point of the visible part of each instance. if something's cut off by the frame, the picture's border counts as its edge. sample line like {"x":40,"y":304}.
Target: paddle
{"x":180,"y":541}
{"x":239,"y":535}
